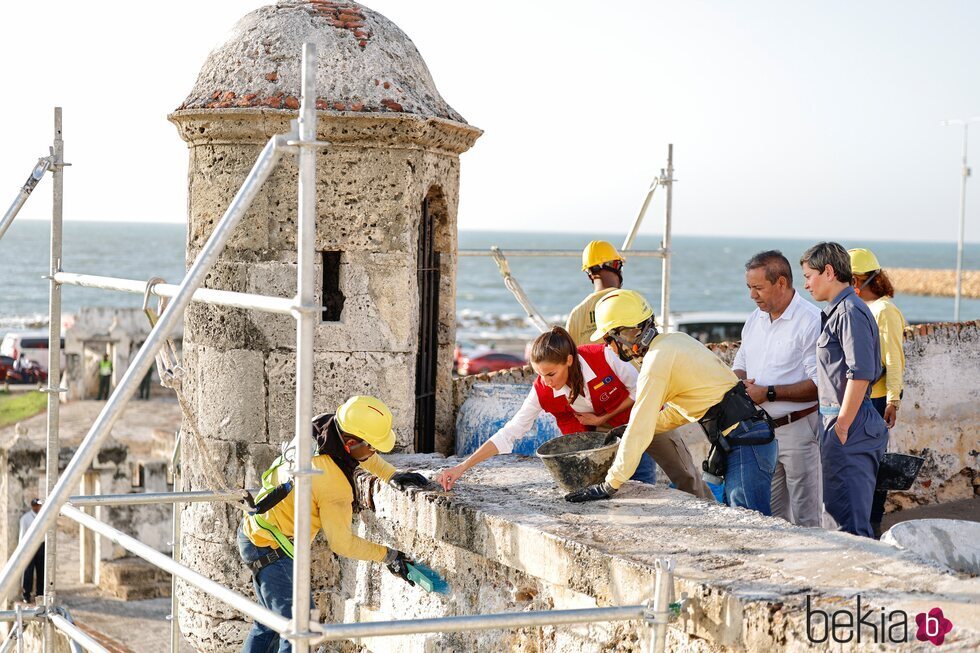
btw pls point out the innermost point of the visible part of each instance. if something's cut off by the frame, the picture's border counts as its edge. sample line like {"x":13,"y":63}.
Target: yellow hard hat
{"x":369,"y":419}
{"x":598,"y":252}
{"x":620,"y":308}
{"x":863,"y":261}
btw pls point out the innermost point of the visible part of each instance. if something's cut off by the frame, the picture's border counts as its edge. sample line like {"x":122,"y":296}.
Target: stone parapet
{"x":506,"y":541}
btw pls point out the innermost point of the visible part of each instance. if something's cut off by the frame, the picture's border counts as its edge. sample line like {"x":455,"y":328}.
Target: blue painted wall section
{"x":488,"y":407}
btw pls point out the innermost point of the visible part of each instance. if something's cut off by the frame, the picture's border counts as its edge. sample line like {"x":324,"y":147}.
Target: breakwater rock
{"x":937,"y":283}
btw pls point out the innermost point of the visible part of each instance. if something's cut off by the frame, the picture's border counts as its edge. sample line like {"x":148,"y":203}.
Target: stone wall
{"x":22,"y":478}
{"x":506,"y":541}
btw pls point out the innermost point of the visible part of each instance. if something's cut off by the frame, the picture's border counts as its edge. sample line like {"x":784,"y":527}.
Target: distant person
{"x":586,"y":388}
{"x":105,"y":376}
{"x":848,"y":362}
{"x":682,"y":381}
{"x":604,"y":267}
{"x":875,"y":288}
{"x":146,"y":383}
{"x":34,"y":574}
{"x":777,"y":361}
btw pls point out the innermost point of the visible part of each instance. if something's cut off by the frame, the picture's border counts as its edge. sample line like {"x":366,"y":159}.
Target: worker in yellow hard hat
{"x":604,"y":266}
{"x":873,"y":286}
{"x":341,"y":443}
{"x":682,"y":381}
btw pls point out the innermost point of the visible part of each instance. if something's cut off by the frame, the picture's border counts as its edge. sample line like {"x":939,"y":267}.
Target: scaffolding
{"x":665,"y":179}
{"x":300,"y":630}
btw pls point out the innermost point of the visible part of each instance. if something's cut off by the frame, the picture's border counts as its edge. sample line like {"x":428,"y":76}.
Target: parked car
{"x":709,"y":327}
{"x":488,"y":361}
{"x":32,"y":373}
{"x":33,"y":344}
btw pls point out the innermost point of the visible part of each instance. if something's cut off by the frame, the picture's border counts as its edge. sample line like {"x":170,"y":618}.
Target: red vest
{"x":606,"y":390}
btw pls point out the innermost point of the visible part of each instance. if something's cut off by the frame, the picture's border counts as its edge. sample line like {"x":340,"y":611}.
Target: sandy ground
{"x":139,"y":625}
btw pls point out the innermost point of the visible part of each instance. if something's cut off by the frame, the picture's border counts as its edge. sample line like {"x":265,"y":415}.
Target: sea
{"x":707,"y":273}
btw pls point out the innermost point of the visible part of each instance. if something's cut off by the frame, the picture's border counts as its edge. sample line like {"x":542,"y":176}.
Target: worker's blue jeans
{"x":274,"y":590}
{"x":749,"y":468}
{"x":646,"y":471}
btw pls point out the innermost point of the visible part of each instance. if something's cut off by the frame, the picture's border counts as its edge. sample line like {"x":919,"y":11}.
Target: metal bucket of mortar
{"x":578,"y":460}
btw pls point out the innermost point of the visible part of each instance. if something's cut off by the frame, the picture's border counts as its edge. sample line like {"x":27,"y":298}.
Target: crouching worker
{"x":586,"y":388}
{"x":682,"y":381}
{"x":341,"y":443}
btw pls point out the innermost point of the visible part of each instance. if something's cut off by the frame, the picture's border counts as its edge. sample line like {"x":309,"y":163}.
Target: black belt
{"x":266,"y":560}
{"x":794,"y":417}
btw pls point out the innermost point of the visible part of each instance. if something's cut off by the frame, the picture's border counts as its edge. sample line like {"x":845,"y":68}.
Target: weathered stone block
{"x":231,"y":395}
{"x":336,"y":377}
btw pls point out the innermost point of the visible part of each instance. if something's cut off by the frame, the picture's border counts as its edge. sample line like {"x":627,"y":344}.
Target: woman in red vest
{"x":586,"y":388}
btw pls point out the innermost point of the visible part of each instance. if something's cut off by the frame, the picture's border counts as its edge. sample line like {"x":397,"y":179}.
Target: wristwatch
{"x":771,"y":393}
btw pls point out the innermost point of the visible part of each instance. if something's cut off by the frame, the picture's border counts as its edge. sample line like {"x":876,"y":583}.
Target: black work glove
{"x":397,"y":563}
{"x":402,"y":480}
{"x":591,"y":493}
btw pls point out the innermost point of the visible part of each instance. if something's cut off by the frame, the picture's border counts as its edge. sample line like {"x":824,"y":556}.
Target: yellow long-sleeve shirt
{"x":680,"y":379}
{"x":581,"y":321}
{"x":891,"y":329}
{"x":332,"y":497}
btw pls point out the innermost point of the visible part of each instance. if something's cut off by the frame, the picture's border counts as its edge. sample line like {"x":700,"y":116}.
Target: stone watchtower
{"x":387,"y":193}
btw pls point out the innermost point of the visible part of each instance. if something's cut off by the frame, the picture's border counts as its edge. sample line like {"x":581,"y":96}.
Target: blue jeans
{"x":646,"y":471}
{"x":274,"y":589}
{"x":749,"y":468}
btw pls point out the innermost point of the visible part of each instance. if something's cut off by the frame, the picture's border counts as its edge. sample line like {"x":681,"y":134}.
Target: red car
{"x":488,"y":361}
{"x":33,"y":373}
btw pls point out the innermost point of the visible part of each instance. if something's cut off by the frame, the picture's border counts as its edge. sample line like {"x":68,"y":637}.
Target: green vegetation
{"x":15,"y":406}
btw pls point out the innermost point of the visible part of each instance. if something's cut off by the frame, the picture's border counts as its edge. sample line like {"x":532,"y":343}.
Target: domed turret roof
{"x":365,"y":63}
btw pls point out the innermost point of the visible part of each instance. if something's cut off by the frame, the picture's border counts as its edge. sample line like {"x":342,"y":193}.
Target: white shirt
{"x":528,"y":413}
{"x":781,"y":351}
{"x":25,"y":522}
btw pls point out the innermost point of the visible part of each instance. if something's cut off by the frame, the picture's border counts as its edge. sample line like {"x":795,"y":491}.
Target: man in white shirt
{"x":35,"y":570}
{"x":777,"y":362}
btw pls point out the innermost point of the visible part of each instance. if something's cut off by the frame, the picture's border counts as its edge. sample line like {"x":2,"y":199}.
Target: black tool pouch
{"x":734,"y":407}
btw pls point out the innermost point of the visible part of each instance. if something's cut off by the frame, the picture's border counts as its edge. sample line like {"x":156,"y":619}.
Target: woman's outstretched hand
{"x":447,"y":478}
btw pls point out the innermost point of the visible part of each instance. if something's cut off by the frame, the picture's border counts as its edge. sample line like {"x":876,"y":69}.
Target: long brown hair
{"x":880,"y":285}
{"x":555,"y":347}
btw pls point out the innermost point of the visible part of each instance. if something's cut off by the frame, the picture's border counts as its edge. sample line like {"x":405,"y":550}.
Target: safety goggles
{"x":358,"y":446}
{"x":618,"y":335}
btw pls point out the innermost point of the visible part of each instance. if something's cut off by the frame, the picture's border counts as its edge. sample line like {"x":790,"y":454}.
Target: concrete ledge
{"x":507,"y":541}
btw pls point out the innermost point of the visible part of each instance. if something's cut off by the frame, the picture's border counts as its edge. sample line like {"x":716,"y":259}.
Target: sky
{"x":788,"y":119}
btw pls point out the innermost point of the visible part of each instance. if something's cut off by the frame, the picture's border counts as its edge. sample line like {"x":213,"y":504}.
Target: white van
{"x":33,"y":344}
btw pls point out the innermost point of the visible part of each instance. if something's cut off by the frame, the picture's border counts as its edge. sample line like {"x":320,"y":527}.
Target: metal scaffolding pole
{"x":174,"y":603}
{"x":665,"y":243}
{"x":281,"y":305}
{"x":43,"y":164}
{"x":15,"y":565}
{"x":144,"y":498}
{"x":166,"y":563}
{"x":556,"y":253}
{"x":497,"y":621}
{"x":54,"y":371}
{"x":74,"y":633}
{"x":305,"y":314}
